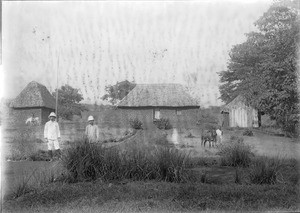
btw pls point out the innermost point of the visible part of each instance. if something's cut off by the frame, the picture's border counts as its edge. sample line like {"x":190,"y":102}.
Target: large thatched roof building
{"x":239,"y":114}
{"x":150,"y":102}
{"x":33,"y":101}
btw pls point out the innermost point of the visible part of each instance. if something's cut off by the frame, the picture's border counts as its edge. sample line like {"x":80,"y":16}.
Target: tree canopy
{"x":68,"y":102}
{"x":264,"y":68}
{"x":117,"y":92}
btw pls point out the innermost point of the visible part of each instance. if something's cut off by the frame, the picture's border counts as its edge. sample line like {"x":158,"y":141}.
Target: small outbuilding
{"x":150,"y":102}
{"x":239,"y":114}
{"x":34,"y":101}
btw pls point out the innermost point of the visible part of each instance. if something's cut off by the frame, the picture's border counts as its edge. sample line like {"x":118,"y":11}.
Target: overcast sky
{"x":93,"y":44}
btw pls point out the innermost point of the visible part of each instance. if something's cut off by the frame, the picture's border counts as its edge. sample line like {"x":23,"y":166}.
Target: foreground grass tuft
{"x":86,"y":162}
{"x":165,"y":196}
{"x":266,"y":170}
{"x":235,"y":152}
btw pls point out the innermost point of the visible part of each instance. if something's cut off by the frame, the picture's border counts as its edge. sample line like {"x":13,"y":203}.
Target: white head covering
{"x":52,"y":114}
{"x":90,"y":118}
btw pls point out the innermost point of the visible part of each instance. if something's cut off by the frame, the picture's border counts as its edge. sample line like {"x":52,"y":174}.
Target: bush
{"x":170,"y":163}
{"x":85,"y":162}
{"x":235,"y":152}
{"x":265,"y":170}
{"x":248,"y":132}
{"x":136,"y":123}
{"x":163,"y":123}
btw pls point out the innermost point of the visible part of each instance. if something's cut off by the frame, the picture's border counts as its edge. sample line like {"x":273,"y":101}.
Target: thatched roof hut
{"x":158,"y":95}
{"x":152,"y":102}
{"x":34,"y":95}
{"x":34,"y":101}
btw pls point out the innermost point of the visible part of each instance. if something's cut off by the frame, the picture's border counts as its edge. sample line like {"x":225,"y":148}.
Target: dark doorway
{"x":225,"y":119}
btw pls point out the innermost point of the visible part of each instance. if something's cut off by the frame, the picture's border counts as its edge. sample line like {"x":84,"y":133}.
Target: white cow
{"x":33,"y":121}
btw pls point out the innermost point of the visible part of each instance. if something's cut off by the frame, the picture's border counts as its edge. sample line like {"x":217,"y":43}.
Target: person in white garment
{"x":219,"y":135}
{"x":92,"y":131}
{"x":52,"y":136}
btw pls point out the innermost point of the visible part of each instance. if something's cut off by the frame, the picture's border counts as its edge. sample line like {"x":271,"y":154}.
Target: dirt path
{"x":263,"y":144}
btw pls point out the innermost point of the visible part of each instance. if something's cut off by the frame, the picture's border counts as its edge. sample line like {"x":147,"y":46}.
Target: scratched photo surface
{"x":151,"y":76}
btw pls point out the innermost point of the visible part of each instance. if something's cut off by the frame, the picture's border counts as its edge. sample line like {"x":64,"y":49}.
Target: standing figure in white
{"x":219,"y":135}
{"x":52,"y":136}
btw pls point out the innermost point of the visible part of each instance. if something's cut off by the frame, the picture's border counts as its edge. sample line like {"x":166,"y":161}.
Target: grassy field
{"x":35,"y":186}
{"x":155,"y":197}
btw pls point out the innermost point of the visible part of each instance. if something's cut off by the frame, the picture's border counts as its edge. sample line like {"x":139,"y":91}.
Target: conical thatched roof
{"x":158,"y":95}
{"x":34,"y":95}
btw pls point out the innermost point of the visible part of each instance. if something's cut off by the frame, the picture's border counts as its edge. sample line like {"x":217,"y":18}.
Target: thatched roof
{"x":236,"y":102}
{"x":158,"y":95}
{"x":34,"y":95}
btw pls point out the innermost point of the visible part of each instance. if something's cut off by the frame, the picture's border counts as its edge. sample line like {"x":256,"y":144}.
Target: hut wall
{"x":45,"y":113}
{"x":145,"y":115}
{"x":243,"y":117}
{"x":187,"y":118}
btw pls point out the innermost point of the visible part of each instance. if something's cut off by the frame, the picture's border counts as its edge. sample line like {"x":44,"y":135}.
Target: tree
{"x":264,"y":68}
{"x":117,"y":92}
{"x":68,"y":102}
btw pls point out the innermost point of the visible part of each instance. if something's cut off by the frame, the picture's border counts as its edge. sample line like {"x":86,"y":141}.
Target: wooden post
{"x":56,"y":104}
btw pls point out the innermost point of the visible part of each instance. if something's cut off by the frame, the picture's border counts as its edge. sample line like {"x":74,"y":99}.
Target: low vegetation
{"x":163,"y":123}
{"x":84,"y":162}
{"x":266,"y":170}
{"x":235,"y":152}
{"x":248,"y":132}
{"x":22,"y":145}
{"x":31,"y":181}
{"x":159,"y":177}
{"x":136,"y":123}
{"x":153,"y":196}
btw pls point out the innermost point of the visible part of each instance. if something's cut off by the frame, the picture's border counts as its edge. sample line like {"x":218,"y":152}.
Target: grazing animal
{"x":208,"y":136}
{"x":33,"y":121}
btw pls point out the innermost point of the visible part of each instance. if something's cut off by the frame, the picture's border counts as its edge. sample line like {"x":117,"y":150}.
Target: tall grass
{"x":23,"y":185}
{"x":23,"y":145}
{"x":265,"y":170}
{"x":33,"y":180}
{"x":235,"y":152}
{"x":85,"y":162}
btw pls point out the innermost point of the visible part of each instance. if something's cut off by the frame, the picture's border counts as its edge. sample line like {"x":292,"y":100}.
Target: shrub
{"x":170,"y":163}
{"x":163,"y":123}
{"x":248,"y":132}
{"x":136,"y":123}
{"x":85,"y":162}
{"x":235,"y":152}
{"x":265,"y":170}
